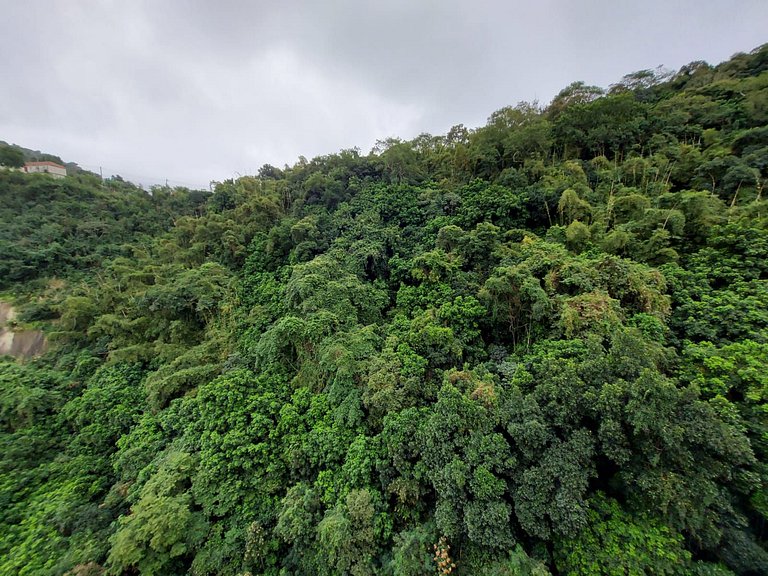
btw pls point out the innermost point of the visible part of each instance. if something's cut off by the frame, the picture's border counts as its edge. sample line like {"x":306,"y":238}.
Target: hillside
{"x":535,"y":347}
{"x":15,"y":155}
{"x":70,"y":227}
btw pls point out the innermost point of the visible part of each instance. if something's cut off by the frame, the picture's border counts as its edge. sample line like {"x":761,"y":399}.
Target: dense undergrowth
{"x":535,"y":347}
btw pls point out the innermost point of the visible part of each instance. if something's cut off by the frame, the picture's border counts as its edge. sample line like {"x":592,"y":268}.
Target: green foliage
{"x":619,"y":543}
{"x":56,"y":227}
{"x":10,"y":156}
{"x":163,"y":526}
{"x":534,"y":347}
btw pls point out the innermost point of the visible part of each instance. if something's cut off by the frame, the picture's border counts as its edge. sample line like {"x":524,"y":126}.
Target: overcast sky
{"x":193,"y":91}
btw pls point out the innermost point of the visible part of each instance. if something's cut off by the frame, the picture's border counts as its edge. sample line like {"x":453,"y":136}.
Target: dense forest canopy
{"x":535,"y":347}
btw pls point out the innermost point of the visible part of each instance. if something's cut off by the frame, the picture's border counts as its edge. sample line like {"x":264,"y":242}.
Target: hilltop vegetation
{"x":71,"y":227}
{"x":535,"y":347}
{"x":13,"y":155}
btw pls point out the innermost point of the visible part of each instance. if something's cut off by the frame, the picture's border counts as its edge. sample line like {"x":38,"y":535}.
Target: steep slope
{"x":534,"y":347}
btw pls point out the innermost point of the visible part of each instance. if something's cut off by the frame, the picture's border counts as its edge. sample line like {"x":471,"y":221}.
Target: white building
{"x":55,"y":170}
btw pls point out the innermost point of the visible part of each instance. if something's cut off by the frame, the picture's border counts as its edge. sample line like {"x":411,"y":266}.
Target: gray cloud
{"x":198,"y":90}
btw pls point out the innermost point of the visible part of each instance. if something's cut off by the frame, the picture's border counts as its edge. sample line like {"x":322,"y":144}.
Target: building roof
{"x":45,"y":163}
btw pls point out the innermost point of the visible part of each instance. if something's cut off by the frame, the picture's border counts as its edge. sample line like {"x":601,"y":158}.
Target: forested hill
{"x":535,"y":347}
{"x":72,"y":227}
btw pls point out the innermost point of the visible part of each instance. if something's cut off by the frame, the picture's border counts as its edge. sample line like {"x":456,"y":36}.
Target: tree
{"x":11,"y":157}
{"x":163,"y":527}
{"x":615,"y":542}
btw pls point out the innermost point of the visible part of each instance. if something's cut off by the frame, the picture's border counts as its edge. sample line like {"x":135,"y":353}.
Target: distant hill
{"x":30,"y":155}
